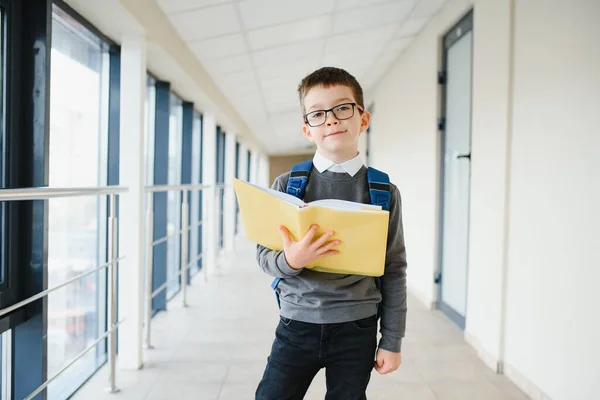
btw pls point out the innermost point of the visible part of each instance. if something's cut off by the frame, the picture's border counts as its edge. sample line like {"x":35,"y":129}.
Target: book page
{"x":283,"y":196}
{"x":344,"y":205}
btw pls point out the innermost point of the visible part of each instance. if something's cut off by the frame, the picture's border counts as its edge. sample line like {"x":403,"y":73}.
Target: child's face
{"x":336,"y":139}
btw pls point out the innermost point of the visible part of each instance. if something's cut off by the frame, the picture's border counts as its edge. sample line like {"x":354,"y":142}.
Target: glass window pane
{"x":174,"y":197}
{"x":76,"y":226}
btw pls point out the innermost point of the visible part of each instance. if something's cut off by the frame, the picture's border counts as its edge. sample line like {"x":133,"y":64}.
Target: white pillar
{"x":229,"y":200}
{"x":209,"y":210}
{"x":263,"y":171}
{"x":131,"y":204}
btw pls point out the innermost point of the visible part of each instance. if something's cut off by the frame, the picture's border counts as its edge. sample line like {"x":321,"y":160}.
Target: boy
{"x":330,"y":320}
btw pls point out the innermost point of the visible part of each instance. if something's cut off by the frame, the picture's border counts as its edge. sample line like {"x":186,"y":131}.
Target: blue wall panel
{"x":161,"y":163}
{"x":186,"y":163}
{"x":248,"y":164}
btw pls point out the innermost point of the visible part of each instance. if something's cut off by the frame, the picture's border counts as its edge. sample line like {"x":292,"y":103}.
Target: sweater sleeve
{"x":393,"y":304}
{"x":273,"y":262}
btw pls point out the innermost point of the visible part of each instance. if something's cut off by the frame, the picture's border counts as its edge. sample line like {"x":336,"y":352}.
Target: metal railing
{"x":184,"y":231}
{"x":111,"y":331}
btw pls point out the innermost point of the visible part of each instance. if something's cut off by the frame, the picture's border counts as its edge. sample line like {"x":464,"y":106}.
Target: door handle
{"x":468,"y":155}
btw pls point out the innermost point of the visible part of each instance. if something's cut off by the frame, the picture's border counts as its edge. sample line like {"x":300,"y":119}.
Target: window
{"x":174,"y":197}
{"x":76,"y":226}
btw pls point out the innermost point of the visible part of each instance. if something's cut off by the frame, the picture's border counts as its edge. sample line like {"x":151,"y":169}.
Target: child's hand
{"x":299,"y":254}
{"x":387,"y":361}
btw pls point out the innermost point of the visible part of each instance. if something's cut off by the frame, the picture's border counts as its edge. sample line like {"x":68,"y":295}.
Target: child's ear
{"x":306,"y":131}
{"x":365,"y":120}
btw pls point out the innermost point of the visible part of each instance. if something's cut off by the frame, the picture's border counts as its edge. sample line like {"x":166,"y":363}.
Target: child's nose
{"x":331,"y":119}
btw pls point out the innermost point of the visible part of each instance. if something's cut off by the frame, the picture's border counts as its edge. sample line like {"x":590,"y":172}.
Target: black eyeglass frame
{"x":331,"y":110}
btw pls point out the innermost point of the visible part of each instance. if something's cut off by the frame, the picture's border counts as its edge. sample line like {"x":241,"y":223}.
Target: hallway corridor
{"x":217,"y":349}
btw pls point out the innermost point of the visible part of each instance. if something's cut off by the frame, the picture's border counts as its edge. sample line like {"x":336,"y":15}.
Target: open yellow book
{"x":361,"y":228}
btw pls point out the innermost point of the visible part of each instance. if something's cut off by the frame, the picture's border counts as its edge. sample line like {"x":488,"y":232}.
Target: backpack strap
{"x":380,"y":191}
{"x":299,"y":179}
{"x":274,"y":287}
{"x":379,"y":188}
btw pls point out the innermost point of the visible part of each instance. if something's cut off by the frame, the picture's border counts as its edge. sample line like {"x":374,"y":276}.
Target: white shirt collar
{"x":351,"y":167}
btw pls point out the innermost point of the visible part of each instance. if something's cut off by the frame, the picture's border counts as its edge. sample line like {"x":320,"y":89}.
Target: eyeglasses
{"x":341,"y":112}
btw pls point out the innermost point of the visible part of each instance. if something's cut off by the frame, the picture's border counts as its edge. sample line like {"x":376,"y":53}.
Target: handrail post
{"x":218,"y":224}
{"x":149,"y":266}
{"x":184,"y":246}
{"x":112,"y":294}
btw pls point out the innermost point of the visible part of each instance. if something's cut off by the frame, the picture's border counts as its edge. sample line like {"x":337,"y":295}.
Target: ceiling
{"x":258,"y":51}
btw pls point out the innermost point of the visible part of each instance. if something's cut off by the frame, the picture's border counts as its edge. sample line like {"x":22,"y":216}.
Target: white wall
{"x":488,"y":217}
{"x":535,"y":184}
{"x":362,"y":146}
{"x":552,"y":327}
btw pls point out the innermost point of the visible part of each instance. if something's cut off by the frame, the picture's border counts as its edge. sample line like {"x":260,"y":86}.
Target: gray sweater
{"x":322,"y":298}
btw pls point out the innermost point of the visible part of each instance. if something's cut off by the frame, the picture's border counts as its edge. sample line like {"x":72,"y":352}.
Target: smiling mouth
{"x":335,"y":133}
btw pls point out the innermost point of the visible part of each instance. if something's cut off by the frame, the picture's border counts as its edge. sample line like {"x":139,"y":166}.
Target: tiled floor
{"x":217,"y":349}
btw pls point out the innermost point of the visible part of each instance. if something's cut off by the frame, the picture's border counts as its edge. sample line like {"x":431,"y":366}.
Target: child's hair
{"x":330,"y":76}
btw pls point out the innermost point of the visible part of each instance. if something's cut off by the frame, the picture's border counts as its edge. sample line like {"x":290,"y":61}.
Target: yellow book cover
{"x":361,"y":228}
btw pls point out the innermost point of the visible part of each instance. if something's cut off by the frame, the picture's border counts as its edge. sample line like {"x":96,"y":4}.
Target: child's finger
{"x":321,"y":241}
{"x":329,"y":253}
{"x":310,"y":234}
{"x":382,"y":368}
{"x":285,"y":234}
{"x":379,"y":363}
{"x":325,"y":248}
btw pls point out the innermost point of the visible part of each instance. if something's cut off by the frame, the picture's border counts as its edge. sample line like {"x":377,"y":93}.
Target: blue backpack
{"x":379,"y":190}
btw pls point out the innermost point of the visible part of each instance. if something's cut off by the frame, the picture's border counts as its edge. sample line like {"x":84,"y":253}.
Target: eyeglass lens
{"x":343,"y":111}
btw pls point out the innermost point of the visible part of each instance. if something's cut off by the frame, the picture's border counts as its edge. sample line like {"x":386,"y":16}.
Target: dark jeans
{"x":300,"y":350}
